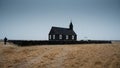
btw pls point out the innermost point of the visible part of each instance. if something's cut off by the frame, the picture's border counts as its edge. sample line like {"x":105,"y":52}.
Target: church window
{"x":49,"y":36}
{"x":66,"y":36}
{"x":60,"y":36}
{"x":72,"y":37}
{"x":53,"y":36}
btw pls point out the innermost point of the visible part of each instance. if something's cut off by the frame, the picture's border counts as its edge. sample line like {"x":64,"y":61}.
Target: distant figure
{"x":5,"y":40}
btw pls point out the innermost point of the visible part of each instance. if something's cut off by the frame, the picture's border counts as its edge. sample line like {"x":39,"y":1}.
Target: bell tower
{"x":71,"y":26}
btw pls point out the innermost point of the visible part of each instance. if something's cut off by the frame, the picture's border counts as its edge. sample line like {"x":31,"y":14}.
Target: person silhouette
{"x":5,"y":40}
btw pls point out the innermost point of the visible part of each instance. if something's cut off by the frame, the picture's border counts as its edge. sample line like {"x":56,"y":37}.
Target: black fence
{"x":47,"y":42}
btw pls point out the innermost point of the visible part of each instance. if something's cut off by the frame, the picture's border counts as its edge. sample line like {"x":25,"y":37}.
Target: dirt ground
{"x":60,"y":56}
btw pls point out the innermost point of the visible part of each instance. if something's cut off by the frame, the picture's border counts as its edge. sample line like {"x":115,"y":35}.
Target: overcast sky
{"x":33,"y":19}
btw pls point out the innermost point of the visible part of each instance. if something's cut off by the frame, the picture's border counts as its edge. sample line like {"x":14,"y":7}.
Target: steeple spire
{"x":71,"y":25}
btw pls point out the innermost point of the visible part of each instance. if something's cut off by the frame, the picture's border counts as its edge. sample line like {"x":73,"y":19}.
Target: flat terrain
{"x":60,"y":56}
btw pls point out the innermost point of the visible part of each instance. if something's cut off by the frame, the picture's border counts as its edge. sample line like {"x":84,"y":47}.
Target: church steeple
{"x":71,"y":26}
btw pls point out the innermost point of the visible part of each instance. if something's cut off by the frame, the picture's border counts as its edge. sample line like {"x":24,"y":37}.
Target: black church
{"x":62,"y":34}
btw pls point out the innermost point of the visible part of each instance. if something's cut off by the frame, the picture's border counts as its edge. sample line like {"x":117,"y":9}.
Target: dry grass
{"x":60,"y":56}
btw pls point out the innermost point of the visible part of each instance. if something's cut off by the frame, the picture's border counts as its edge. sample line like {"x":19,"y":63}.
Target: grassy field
{"x":60,"y":56}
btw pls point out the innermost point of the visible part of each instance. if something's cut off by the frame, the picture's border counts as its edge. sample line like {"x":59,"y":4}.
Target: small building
{"x":62,"y":34}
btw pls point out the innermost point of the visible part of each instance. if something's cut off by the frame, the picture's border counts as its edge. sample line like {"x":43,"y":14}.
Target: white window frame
{"x":60,"y":36}
{"x":66,"y":36}
{"x":49,"y":36}
{"x":53,"y":36}
{"x":73,"y":37}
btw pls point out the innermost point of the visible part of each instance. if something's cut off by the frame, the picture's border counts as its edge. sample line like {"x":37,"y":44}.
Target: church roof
{"x":62,"y":31}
